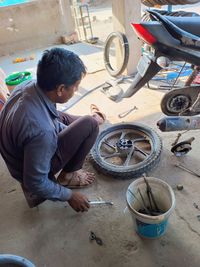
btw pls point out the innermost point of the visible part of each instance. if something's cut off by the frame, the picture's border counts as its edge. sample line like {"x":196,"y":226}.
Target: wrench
{"x":125,"y":113}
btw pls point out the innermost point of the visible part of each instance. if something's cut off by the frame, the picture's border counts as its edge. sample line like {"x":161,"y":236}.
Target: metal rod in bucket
{"x":141,"y":203}
{"x":150,"y":195}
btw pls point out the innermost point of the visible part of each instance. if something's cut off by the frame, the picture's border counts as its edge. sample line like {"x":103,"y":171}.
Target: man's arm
{"x":37,"y":162}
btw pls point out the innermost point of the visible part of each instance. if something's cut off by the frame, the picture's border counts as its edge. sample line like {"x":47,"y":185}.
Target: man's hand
{"x":79,"y":202}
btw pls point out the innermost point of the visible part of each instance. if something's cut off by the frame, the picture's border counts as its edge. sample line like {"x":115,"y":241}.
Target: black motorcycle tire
{"x":124,"y":43}
{"x":167,"y":98}
{"x":151,"y":3}
{"x":128,"y":172}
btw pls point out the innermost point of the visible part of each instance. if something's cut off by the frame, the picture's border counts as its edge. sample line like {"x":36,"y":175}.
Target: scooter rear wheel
{"x":179,"y":101}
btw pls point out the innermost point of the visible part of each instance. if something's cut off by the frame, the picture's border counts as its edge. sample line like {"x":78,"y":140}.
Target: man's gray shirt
{"x":29,"y":128}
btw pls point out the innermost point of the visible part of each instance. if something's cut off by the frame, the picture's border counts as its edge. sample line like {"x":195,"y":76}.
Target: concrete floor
{"x":54,"y":235}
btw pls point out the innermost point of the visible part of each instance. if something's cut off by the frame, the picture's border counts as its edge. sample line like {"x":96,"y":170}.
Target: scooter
{"x":172,"y":39}
{"x":118,"y":148}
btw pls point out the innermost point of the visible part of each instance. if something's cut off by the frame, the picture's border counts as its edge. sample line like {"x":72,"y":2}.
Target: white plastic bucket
{"x":146,"y":225}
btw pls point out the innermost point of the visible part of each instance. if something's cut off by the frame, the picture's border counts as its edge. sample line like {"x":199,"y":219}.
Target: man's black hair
{"x":59,"y":66}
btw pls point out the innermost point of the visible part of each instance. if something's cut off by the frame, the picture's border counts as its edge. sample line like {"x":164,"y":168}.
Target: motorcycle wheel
{"x":126,"y":151}
{"x":174,"y":103}
{"x":122,"y":40}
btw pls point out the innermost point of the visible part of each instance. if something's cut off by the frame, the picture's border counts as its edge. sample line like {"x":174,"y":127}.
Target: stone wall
{"x":35,"y":24}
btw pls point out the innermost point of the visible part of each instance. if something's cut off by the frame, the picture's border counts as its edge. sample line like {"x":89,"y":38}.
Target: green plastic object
{"x":18,"y":77}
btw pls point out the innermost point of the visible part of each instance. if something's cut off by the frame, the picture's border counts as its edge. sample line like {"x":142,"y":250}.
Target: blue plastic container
{"x":14,"y":260}
{"x":145,"y":225}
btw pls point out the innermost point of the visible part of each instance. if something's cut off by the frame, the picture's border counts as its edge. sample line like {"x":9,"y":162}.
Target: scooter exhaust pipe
{"x":179,"y":123}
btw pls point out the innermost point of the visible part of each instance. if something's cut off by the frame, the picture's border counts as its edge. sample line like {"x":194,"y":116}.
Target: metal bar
{"x":178,"y":76}
{"x":142,"y":197}
{"x":186,"y":169}
{"x":83,"y":23}
{"x":151,"y":195}
{"x":147,"y":211}
{"x":101,"y":203}
{"x":92,"y":36}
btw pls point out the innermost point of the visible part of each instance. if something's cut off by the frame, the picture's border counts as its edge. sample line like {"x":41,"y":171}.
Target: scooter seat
{"x":186,"y":38}
{"x":188,"y":24}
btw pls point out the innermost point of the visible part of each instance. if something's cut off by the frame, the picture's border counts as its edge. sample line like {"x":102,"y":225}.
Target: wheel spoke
{"x":108,"y":144}
{"x":141,"y":151}
{"x":110,"y":156}
{"x":140,"y":140}
{"x":128,"y":157}
{"x":122,"y":135}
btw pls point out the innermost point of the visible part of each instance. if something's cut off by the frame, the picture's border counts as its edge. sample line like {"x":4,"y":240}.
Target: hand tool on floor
{"x":97,"y":239}
{"x":125,"y":113}
{"x":186,"y":169}
{"x":101,"y":203}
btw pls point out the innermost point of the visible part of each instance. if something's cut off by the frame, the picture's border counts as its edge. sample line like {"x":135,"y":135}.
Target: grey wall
{"x":125,"y":12}
{"x":35,"y":24}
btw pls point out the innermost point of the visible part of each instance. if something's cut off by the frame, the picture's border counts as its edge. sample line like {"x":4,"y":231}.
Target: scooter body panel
{"x":166,"y":45}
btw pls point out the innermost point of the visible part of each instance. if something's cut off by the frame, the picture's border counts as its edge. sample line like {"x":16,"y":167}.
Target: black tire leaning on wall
{"x":124,"y":42}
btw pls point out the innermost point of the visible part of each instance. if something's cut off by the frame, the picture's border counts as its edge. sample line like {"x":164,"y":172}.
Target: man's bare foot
{"x":76,"y":179}
{"x":97,"y":114}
